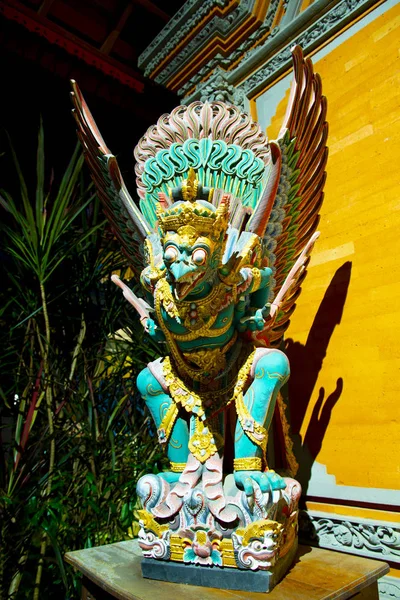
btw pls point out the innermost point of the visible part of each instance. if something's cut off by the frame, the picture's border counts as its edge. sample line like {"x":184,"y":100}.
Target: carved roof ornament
{"x":241,"y":59}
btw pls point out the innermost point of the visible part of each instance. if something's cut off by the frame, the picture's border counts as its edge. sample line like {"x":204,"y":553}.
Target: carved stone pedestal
{"x":204,"y":531}
{"x":225,"y":578}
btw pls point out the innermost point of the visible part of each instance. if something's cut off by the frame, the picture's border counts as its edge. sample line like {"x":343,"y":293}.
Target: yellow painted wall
{"x":361,"y":223}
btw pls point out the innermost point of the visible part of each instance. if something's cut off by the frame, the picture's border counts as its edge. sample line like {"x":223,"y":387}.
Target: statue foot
{"x":268,"y":481}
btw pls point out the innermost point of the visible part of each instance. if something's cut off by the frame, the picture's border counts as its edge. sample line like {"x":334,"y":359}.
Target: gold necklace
{"x":194,"y":373}
{"x":198,"y":317}
{"x":196,"y":314}
{"x":204,"y":331}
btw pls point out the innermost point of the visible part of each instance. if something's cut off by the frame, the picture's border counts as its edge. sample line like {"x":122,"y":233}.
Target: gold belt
{"x":211,"y":360}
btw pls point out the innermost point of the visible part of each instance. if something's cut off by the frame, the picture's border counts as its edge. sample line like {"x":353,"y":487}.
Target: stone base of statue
{"x":223,"y":578}
{"x":205,"y":531}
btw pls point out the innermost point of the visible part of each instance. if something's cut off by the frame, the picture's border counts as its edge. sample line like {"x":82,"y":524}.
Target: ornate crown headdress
{"x":191,"y":208}
{"x":275,"y":189}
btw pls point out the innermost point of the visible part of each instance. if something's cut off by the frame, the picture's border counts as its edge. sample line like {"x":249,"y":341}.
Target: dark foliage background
{"x":74,"y":433}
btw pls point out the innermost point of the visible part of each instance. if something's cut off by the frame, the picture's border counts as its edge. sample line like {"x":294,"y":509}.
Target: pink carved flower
{"x":203,"y":551}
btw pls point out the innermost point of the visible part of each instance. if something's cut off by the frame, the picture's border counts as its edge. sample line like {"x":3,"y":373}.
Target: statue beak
{"x":181,"y":271}
{"x":184,"y":278}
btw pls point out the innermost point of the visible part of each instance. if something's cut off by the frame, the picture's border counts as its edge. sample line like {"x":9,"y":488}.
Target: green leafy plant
{"x":75,"y":434}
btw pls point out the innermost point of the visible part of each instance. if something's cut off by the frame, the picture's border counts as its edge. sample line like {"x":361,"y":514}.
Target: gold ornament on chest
{"x":196,"y":314}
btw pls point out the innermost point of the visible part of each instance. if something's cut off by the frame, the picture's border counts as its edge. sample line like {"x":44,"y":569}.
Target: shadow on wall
{"x":306,"y":362}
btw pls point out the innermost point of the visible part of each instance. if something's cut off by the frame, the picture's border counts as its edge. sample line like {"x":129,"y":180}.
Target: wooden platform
{"x":113,"y":571}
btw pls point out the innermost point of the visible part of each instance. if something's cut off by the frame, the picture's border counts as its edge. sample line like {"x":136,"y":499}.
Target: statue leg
{"x":271,"y":372}
{"x":158,"y":402}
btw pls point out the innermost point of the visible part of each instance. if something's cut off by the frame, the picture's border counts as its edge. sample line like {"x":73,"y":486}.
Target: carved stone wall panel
{"x":244,"y":50}
{"x":389,"y":588}
{"x":169,"y":39}
{"x":217,"y":26}
{"x":364,"y":537}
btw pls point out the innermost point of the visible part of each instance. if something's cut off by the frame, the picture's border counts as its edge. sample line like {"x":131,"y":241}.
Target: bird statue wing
{"x":287,"y":214}
{"x":126,"y":220}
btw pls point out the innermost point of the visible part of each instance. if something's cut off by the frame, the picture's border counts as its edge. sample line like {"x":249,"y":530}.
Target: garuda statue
{"x":221,"y":242}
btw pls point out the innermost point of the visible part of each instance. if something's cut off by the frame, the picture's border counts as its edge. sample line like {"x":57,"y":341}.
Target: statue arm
{"x":154,"y":331}
{"x":259,"y":292}
{"x":143,"y":308}
{"x":252,"y":318}
{"x":151,"y":326}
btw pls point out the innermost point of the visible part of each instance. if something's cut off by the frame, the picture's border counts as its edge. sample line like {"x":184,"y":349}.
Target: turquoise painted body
{"x":158,"y":402}
{"x":232,"y":313}
{"x":194,"y":267}
{"x":271,"y":372}
{"x":224,"y":317}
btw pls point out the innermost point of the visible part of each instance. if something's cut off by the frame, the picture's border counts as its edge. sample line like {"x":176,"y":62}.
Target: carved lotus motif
{"x":204,"y":549}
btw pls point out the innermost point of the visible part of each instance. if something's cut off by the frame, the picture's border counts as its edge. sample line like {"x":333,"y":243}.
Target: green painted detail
{"x":217,"y":164}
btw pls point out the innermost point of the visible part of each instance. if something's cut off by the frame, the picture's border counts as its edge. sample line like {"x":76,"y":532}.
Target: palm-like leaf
{"x":55,"y":249}
{"x":36,"y":235}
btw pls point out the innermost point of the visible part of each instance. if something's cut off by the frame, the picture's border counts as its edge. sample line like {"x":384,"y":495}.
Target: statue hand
{"x":253,"y":323}
{"x":151,"y":327}
{"x":268,"y":481}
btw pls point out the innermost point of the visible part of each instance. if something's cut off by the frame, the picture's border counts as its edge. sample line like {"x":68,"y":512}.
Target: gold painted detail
{"x":290,"y":457}
{"x":205,"y":221}
{"x":211,"y":360}
{"x":203,"y":442}
{"x":177,"y":467}
{"x":255,"y":284}
{"x":190,"y":186}
{"x":225,"y":546}
{"x":258,"y":529}
{"x":165,"y":429}
{"x":151,"y":274}
{"x":177,"y":547}
{"x":251,"y":463}
{"x":249,"y":257}
{"x":207,"y":310}
{"x":179,"y":391}
{"x":163,"y":295}
{"x":151,"y":524}
{"x":256,"y":432}
{"x":227,"y":553}
{"x":204,"y":331}
{"x":275,"y":375}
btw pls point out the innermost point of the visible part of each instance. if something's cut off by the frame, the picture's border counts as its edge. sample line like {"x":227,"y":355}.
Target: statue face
{"x":190,"y":260}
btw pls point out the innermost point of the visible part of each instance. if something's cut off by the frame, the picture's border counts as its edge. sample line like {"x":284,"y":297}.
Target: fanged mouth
{"x":182,"y":289}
